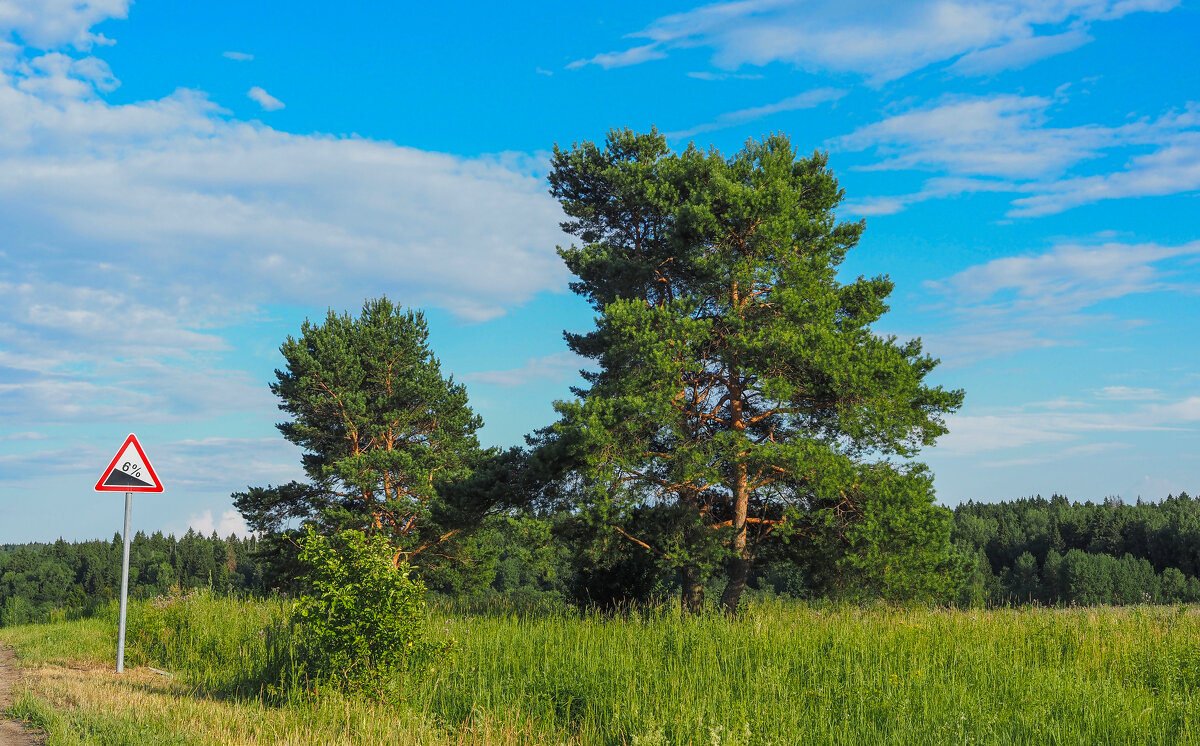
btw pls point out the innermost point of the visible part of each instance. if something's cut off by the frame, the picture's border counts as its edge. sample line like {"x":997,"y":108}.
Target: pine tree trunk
{"x":739,"y":565}
{"x":691,"y":596}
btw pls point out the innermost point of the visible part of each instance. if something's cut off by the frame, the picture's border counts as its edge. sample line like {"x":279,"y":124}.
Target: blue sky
{"x":182,"y":184}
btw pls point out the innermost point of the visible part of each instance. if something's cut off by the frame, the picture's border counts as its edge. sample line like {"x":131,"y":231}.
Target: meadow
{"x":782,"y":673}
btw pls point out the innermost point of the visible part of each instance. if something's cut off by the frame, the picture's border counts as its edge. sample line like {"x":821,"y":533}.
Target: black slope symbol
{"x":123,"y":479}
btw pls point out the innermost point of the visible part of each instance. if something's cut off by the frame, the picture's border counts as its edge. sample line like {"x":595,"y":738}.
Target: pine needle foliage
{"x":385,"y":435}
{"x":741,"y":394}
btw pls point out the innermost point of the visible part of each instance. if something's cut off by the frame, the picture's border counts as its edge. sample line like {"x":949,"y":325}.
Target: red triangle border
{"x":156,"y":487}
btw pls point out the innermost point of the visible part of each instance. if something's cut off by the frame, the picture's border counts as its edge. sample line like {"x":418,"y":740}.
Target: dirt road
{"x":11,"y":732}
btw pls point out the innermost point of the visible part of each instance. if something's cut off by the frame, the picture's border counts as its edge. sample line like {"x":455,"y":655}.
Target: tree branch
{"x":639,"y":542}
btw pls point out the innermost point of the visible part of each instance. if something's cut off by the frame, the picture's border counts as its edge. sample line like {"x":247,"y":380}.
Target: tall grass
{"x":787,"y":674}
{"x":783,"y":673}
{"x":223,"y":645}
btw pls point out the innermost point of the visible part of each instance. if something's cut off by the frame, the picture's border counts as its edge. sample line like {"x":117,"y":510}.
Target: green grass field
{"x":784,"y":673}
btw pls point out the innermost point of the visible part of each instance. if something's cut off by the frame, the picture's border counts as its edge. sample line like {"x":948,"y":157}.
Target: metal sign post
{"x":124,"y":587}
{"x":129,"y":472}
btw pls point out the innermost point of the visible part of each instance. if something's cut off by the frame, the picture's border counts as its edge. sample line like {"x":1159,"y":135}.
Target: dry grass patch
{"x":88,"y":705}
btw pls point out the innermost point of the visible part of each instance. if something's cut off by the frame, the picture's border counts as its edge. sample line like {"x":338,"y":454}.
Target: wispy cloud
{"x":998,"y":136}
{"x":937,"y":188}
{"x":231,"y":523}
{"x":971,"y":435}
{"x":27,"y":435}
{"x":145,"y":392}
{"x":237,"y":56}
{"x":71,"y":464}
{"x":881,"y":42}
{"x":806,"y":100}
{"x":264,"y":99}
{"x":99,"y":322}
{"x":1005,"y":143}
{"x":1128,"y":393}
{"x":609,"y":60}
{"x":561,"y":366}
{"x":711,"y":76}
{"x":203,"y":463}
{"x":170,"y":199}
{"x":137,"y":234}
{"x":1019,"y":53}
{"x":50,"y":24}
{"x":1047,"y":299}
{"x":1172,"y":169}
{"x":1050,"y":456}
{"x":81,"y":354}
{"x":1068,"y":278}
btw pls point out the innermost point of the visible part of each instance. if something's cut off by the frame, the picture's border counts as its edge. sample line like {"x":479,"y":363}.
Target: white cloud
{"x":971,"y":435}
{"x":264,"y":99}
{"x":162,"y":222}
{"x":806,"y":100}
{"x":1050,"y":457}
{"x":147,"y":392}
{"x":99,"y":323}
{"x":869,"y":207}
{"x":1067,"y":278}
{"x":230,"y":523}
{"x":1044,"y":300}
{"x":1091,"y":449}
{"x":49,"y":24}
{"x":1007,"y":140}
{"x":1127,"y":393}
{"x":1019,"y":53}
{"x":70,"y":466}
{"x":237,"y":56}
{"x":1002,"y":135}
{"x":936,"y":188}
{"x":971,"y":341}
{"x":57,"y":77}
{"x":1183,"y":411}
{"x":28,"y":435}
{"x":609,"y":60}
{"x":711,"y":76}
{"x":1155,"y":487}
{"x":169,"y":199}
{"x":1172,"y":169}
{"x":881,"y":41}
{"x":78,"y":354}
{"x":204,"y":466}
{"x":560,"y":366}
{"x":225,"y":465}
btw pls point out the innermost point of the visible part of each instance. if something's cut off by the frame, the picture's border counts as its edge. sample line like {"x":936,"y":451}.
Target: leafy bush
{"x":362,"y":630}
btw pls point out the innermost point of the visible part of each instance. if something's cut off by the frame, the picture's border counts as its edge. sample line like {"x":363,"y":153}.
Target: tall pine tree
{"x":740,"y":395}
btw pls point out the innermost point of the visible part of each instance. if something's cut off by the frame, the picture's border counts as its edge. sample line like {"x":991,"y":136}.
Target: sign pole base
{"x":124,"y":587}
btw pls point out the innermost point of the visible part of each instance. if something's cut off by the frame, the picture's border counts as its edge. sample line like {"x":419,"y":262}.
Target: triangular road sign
{"x":130,"y":471}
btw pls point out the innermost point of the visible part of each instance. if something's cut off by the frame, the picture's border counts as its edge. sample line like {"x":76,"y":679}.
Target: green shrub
{"x":362,"y":629}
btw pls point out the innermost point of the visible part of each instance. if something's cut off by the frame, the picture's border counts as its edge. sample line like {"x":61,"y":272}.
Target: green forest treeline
{"x":1034,"y":550}
{"x":38,"y":581}
{"x":1058,"y":552}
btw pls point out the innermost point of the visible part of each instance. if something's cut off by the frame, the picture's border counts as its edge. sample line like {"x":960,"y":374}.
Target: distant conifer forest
{"x":1033,"y":550}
